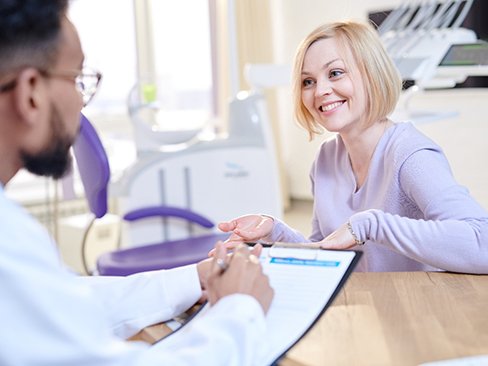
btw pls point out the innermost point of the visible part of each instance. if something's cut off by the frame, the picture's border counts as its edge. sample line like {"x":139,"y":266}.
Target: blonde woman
{"x":377,"y":183}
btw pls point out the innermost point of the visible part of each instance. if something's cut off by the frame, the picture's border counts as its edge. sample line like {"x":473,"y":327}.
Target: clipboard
{"x":334,"y":265}
{"x":299,"y":300}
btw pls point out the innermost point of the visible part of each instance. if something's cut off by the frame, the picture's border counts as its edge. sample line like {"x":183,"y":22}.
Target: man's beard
{"x":55,"y":160}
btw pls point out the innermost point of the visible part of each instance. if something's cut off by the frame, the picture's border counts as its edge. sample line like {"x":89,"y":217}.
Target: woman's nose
{"x":324,"y":87}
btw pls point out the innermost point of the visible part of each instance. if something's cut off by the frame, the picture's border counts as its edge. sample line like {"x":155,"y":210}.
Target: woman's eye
{"x":336,"y":73}
{"x":307,"y":83}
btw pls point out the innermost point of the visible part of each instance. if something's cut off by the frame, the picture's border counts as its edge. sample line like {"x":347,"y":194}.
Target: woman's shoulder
{"x":330,"y":153}
{"x":331,"y":143}
{"x":406,"y":139}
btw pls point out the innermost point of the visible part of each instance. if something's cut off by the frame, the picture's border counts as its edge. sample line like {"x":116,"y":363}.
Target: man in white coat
{"x":50,"y":316}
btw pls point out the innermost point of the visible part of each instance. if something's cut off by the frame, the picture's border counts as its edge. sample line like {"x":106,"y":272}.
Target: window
{"x":175,"y":38}
{"x":182,"y":51}
{"x":107,"y":34}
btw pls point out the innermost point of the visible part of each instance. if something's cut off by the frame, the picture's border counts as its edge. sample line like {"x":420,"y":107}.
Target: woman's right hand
{"x":247,"y":228}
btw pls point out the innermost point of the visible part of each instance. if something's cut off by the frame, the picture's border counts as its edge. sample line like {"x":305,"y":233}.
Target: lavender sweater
{"x":410,"y":210}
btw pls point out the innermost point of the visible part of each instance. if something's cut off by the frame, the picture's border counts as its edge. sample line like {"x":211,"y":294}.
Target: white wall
{"x":462,"y":137}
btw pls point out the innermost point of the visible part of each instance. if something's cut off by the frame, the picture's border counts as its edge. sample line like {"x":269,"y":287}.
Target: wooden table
{"x":400,"y":318}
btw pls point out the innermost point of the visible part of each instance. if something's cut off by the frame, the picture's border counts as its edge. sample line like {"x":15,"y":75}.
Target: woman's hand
{"x":247,"y":228}
{"x":339,"y":239}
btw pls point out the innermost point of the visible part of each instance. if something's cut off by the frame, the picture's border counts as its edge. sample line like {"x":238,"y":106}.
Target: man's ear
{"x":31,"y":96}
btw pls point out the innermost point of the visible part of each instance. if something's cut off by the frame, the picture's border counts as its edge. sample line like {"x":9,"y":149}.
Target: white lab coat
{"x":50,"y":316}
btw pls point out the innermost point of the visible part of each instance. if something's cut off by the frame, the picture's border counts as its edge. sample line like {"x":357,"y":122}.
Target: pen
{"x":222,"y":265}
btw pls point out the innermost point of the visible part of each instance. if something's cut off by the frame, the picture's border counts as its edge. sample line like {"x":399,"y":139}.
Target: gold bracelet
{"x":356,"y":240}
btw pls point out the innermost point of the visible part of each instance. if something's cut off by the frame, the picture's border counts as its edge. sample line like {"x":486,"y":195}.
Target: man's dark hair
{"x":29,"y":33}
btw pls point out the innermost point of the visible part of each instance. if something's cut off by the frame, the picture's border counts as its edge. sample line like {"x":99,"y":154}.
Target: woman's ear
{"x":31,"y":95}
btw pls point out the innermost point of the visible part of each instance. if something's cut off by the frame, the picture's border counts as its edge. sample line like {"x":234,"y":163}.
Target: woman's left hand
{"x":339,"y":239}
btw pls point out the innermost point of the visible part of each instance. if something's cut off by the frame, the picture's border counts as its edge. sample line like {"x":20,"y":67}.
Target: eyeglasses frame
{"x":76,"y":75}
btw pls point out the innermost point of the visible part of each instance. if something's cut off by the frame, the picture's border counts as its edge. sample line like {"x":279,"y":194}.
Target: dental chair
{"x":94,"y":169}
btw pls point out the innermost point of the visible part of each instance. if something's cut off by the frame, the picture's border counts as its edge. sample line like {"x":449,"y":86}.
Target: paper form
{"x":303,"y":288}
{"x":304,"y":282}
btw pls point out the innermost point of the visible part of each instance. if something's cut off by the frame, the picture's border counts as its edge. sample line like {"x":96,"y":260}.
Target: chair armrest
{"x":168,"y":211}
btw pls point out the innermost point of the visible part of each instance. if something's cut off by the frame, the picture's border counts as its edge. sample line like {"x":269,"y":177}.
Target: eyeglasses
{"x":86,"y":81}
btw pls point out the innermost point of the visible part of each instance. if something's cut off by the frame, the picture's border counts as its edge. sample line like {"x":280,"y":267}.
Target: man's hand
{"x":240,"y":272}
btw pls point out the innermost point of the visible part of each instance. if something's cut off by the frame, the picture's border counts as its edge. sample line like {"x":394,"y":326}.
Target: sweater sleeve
{"x":453,"y":232}
{"x":283,"y":232}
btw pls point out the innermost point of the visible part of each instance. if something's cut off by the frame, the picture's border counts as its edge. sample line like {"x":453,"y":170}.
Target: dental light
{"x":429,"y":46}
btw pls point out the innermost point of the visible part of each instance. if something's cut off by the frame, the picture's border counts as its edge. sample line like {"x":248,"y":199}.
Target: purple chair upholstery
{"x":93,"y":167}
{"x":94,"y":171}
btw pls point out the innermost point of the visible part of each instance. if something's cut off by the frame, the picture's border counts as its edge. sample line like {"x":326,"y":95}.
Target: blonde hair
{"x":382,"y":81}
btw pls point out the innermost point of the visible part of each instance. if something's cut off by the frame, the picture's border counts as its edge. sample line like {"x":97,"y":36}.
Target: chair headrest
{"x":93,"y":167}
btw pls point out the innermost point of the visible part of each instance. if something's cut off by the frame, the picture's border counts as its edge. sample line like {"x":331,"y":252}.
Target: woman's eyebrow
{"x":327,"y":64}
{"x":324,"y":66}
